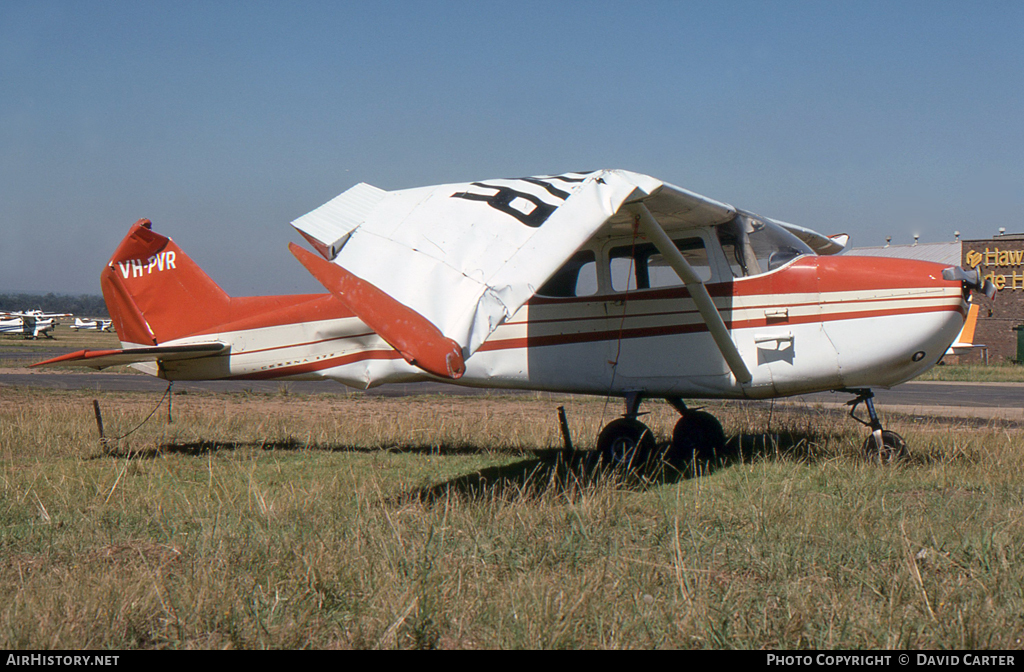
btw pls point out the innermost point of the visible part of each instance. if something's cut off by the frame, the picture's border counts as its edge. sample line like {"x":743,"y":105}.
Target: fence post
{"x":99,"y":424}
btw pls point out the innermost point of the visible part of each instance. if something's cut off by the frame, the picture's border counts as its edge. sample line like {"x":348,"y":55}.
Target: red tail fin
{"x":156,"y":293}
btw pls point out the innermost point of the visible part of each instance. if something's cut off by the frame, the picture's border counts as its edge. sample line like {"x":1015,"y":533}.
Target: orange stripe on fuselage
{"x":261,"y":312}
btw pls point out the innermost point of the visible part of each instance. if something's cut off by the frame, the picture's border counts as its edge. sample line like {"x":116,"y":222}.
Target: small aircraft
{"x":31,"y":324}
{"x":12,"y":324}
{"x":607,"y":282}
{"x":92,"y":325}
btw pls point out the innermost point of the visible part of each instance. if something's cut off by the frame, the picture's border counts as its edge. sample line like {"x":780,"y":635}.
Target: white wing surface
{"x":467,"y":256}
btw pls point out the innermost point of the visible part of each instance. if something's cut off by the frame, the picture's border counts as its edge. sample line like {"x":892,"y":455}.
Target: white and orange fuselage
{"x":817,"y":323}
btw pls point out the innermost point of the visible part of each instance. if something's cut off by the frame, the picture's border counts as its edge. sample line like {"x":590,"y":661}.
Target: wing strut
{"x":698,"y":291}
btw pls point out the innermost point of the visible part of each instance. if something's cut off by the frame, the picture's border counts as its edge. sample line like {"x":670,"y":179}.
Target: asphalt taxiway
{"x":948,"y":399}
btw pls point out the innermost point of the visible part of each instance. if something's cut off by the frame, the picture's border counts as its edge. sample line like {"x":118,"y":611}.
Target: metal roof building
{"x":943,"y":253}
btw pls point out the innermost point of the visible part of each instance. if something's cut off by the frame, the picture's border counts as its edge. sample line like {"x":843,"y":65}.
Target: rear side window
{"x":577,"y":277}
{"x":641,"y":266}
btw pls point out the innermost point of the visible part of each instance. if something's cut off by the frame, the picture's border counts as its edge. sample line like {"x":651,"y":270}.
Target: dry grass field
{"x":342,"y":521}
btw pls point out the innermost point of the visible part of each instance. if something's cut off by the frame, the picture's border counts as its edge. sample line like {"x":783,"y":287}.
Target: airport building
{"x":1001,"y":259}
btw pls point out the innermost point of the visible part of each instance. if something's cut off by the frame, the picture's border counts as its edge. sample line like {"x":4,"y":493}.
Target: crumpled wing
{"x":467,"y":256}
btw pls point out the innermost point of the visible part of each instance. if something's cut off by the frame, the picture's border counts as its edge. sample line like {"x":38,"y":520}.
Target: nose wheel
{"x":881,"y":445}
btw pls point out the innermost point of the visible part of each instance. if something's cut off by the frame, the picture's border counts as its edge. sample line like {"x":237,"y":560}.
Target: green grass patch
{"x":976,"y":373}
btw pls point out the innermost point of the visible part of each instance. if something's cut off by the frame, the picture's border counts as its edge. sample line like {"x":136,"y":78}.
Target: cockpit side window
{"x":641,"y":266}
{"x":577,"y":277}
{"x":754,"y":247}
{"x":737,"y":251}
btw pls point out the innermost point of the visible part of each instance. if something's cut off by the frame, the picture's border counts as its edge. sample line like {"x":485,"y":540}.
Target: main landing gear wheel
{"x":697,"y":435}
{"x":625,"y":442}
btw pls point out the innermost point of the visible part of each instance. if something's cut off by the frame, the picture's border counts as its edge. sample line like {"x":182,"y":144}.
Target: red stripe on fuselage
{"x":568,"y":339}
{"x":754,"y":306}
{"x":668,"y":330}
{"x":805,"y":275}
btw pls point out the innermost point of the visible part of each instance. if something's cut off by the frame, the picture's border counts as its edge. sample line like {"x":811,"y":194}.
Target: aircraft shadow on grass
{"x":547,"y":472}
{"x":114,"y":448}
{"x":559,"y":472}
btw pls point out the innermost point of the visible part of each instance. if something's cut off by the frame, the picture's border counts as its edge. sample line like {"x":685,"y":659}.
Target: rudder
{"x":155,"y":292}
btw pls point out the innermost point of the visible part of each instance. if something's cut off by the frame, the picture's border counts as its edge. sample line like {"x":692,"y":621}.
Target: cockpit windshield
{"x":753,"y":246}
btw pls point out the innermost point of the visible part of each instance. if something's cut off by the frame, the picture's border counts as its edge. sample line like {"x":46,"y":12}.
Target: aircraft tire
{"x":625,"y":443}
{"x":894,"y":448}
{"x":698,"y":435}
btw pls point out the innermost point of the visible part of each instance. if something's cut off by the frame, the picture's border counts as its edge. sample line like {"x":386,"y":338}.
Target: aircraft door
{"x":659,"y":340}
{"x":566,"y":327}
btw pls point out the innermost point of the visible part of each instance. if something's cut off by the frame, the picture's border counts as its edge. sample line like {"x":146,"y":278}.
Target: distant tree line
{"x":83,"y":305}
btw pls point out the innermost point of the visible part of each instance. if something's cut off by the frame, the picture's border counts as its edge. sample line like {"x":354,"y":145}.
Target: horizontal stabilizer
{"x":101,"y":359}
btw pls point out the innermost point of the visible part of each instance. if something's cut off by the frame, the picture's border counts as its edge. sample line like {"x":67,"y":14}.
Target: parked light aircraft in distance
{"x":92,"y":325}
{"x":31,"y":324}
{"x":607,"y":282}
{"x":12,"y":324}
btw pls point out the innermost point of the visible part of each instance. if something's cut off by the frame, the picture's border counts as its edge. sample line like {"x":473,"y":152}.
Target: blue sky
{"x":223,"y":121}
